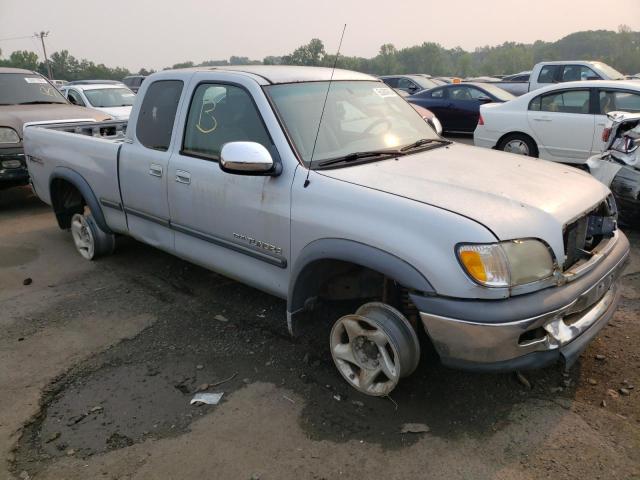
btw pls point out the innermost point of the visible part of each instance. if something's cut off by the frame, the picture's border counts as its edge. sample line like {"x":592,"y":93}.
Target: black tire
{"x":525,"y":141}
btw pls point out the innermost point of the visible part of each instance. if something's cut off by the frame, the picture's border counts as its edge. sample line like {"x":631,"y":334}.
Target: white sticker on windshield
{"x":34,"y":80}
{"x":384,"y":92}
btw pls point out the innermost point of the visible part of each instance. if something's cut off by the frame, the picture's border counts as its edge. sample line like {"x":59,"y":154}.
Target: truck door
{"x":237,"y":225}
{"x":144,"y":164}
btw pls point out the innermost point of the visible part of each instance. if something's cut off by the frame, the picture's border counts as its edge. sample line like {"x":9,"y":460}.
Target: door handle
{"x":543,"y":119}
{"x":155,"y":170}
{"x":183,"y":177}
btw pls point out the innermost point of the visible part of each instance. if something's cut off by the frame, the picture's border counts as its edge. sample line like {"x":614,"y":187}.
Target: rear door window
{"x":158,"y":113}
{"x":392,"y":82}
{"x":548,"y":74}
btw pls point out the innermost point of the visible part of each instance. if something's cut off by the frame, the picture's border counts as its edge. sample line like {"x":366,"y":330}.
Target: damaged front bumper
{"x":526,"y":331}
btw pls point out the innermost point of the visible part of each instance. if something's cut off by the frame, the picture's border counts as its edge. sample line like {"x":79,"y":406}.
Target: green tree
{"x":311,"y":54}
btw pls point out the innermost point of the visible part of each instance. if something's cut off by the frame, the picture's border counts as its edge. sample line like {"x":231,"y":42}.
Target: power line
{"x":14,"y":38}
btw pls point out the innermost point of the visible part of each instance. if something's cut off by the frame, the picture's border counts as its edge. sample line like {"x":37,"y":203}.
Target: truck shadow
{"x":210,"y":329}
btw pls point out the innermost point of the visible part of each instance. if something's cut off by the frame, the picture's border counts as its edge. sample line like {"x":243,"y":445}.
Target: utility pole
{"x":41,"y":36}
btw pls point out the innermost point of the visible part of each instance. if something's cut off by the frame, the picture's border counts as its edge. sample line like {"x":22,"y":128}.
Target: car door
{"x":611,"y":100}
{"x":562,"y":124}
{"x":237,"y":225}
{"x":465,"y":107}
{"x":435,"y":100}
{"x":144,"y":162}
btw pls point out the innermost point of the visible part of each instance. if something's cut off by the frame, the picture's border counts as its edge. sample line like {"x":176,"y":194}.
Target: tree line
{"x":619,"y":49}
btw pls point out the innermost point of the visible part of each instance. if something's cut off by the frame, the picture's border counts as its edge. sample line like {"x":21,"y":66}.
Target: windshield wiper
{"x":40,"y":102}
{"x":360,"y":155}
{"x":424,"y":141}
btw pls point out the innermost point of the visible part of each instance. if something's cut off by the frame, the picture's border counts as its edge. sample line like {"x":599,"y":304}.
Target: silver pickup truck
{"x":316,"y":191}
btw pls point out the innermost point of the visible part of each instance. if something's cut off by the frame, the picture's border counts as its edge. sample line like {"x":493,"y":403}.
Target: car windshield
{"x":610,"y":72}
{"x":359,"y":116}
{"x":110,"y":97}
{"x":497,"y":92}
{"x":24,"y":88}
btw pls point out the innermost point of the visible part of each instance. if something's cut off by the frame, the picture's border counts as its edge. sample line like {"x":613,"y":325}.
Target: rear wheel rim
{"x":365,"y":355}
{"x":82,"y":236}
{"x":517,"y":146}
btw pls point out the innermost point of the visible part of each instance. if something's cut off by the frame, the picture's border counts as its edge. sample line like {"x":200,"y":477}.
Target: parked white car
{"x":563,"y":122}
{"x":114,"y":100}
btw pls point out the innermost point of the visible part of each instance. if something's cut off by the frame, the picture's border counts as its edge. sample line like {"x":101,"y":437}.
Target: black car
{"x":134,"y":82}
{"x":411,"y":84}
{"x":457,"y":106}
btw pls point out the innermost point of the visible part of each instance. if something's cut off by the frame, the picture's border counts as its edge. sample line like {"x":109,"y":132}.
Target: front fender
{"x":302,"y":286}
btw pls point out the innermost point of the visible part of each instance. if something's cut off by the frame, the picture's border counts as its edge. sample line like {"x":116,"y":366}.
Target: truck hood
{"x":512,"y":195}
{"x":15,"y":116}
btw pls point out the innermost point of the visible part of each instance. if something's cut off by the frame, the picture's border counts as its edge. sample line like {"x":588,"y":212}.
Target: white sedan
{"x":114,"y":100}
{"x":562,"y":122}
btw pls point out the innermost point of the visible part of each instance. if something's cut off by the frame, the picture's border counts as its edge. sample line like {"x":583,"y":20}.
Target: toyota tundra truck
{"x":316,"y":186}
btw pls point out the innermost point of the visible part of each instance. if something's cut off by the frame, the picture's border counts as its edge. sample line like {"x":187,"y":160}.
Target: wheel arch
{"x":69,"y":193}
{"x":313,"y":268}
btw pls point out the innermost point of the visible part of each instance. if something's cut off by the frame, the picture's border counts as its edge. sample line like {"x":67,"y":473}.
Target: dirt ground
{"x":99,"y":360}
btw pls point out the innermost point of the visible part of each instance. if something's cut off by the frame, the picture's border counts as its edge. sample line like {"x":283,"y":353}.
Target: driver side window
{"x":220,"y":114}
{"x":74,"y":98}
{"x":406,"y":84}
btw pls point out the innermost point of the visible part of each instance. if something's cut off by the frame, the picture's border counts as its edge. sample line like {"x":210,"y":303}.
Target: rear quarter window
{"x":158,"y":113}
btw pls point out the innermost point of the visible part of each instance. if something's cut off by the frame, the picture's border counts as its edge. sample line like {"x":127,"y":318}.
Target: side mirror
{"x":484,"y":99}
{"x":247,"y":158}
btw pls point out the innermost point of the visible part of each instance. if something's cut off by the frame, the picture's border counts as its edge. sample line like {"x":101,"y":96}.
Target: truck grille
{"x":583,"y":235}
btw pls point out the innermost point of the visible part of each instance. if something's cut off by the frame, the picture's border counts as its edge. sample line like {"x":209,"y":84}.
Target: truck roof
{"x":272,"y":74}
{"x":15,"y":70}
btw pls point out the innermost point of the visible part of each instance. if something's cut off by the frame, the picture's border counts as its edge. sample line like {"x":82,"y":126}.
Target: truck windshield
{"x":110,"y":97}
{"x":21,"y":88}
{"x":360,"y":116}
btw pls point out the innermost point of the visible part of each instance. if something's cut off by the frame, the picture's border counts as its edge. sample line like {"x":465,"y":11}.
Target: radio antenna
{"x":335,"y":61}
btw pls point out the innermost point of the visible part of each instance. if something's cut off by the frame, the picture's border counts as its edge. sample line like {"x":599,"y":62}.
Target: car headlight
{"x":8,"y":135}
{"x":506,"y":264}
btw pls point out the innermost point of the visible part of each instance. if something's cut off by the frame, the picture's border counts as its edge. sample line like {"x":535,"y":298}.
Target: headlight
{"x":506,"y":264}
{"x":8,"y":135}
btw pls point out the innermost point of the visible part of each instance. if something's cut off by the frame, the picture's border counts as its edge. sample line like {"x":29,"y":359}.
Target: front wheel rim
{"x":365,"y":355}
{"x":517,"y":146}
{"x":82,"y":236}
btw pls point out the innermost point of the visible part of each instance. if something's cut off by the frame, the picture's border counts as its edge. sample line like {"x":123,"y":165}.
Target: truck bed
{"x":88,"y":148}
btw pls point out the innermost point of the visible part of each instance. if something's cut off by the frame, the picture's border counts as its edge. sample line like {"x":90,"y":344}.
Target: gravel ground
{"x":99,"y":360}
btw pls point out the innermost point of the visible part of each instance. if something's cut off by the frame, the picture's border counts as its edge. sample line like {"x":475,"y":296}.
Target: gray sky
{"x":156,"y":34}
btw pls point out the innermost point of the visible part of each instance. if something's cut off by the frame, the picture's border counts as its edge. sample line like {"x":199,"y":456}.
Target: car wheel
{"x":519,"y":144}
{"x":90,"y":241}
{"x":374,"y":347}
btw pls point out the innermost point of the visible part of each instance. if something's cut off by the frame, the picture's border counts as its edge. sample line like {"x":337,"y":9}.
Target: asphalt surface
{"x":99,"y":362}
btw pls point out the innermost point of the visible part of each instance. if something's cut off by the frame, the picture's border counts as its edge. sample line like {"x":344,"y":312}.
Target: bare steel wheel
{"x":82,"y":236}
{"x":374,"y":347}
{"x":90,"y":241}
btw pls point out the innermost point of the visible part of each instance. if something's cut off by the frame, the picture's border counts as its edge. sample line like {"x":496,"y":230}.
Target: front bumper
{"x":13,"y":176}
{"x":526,"y":331}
